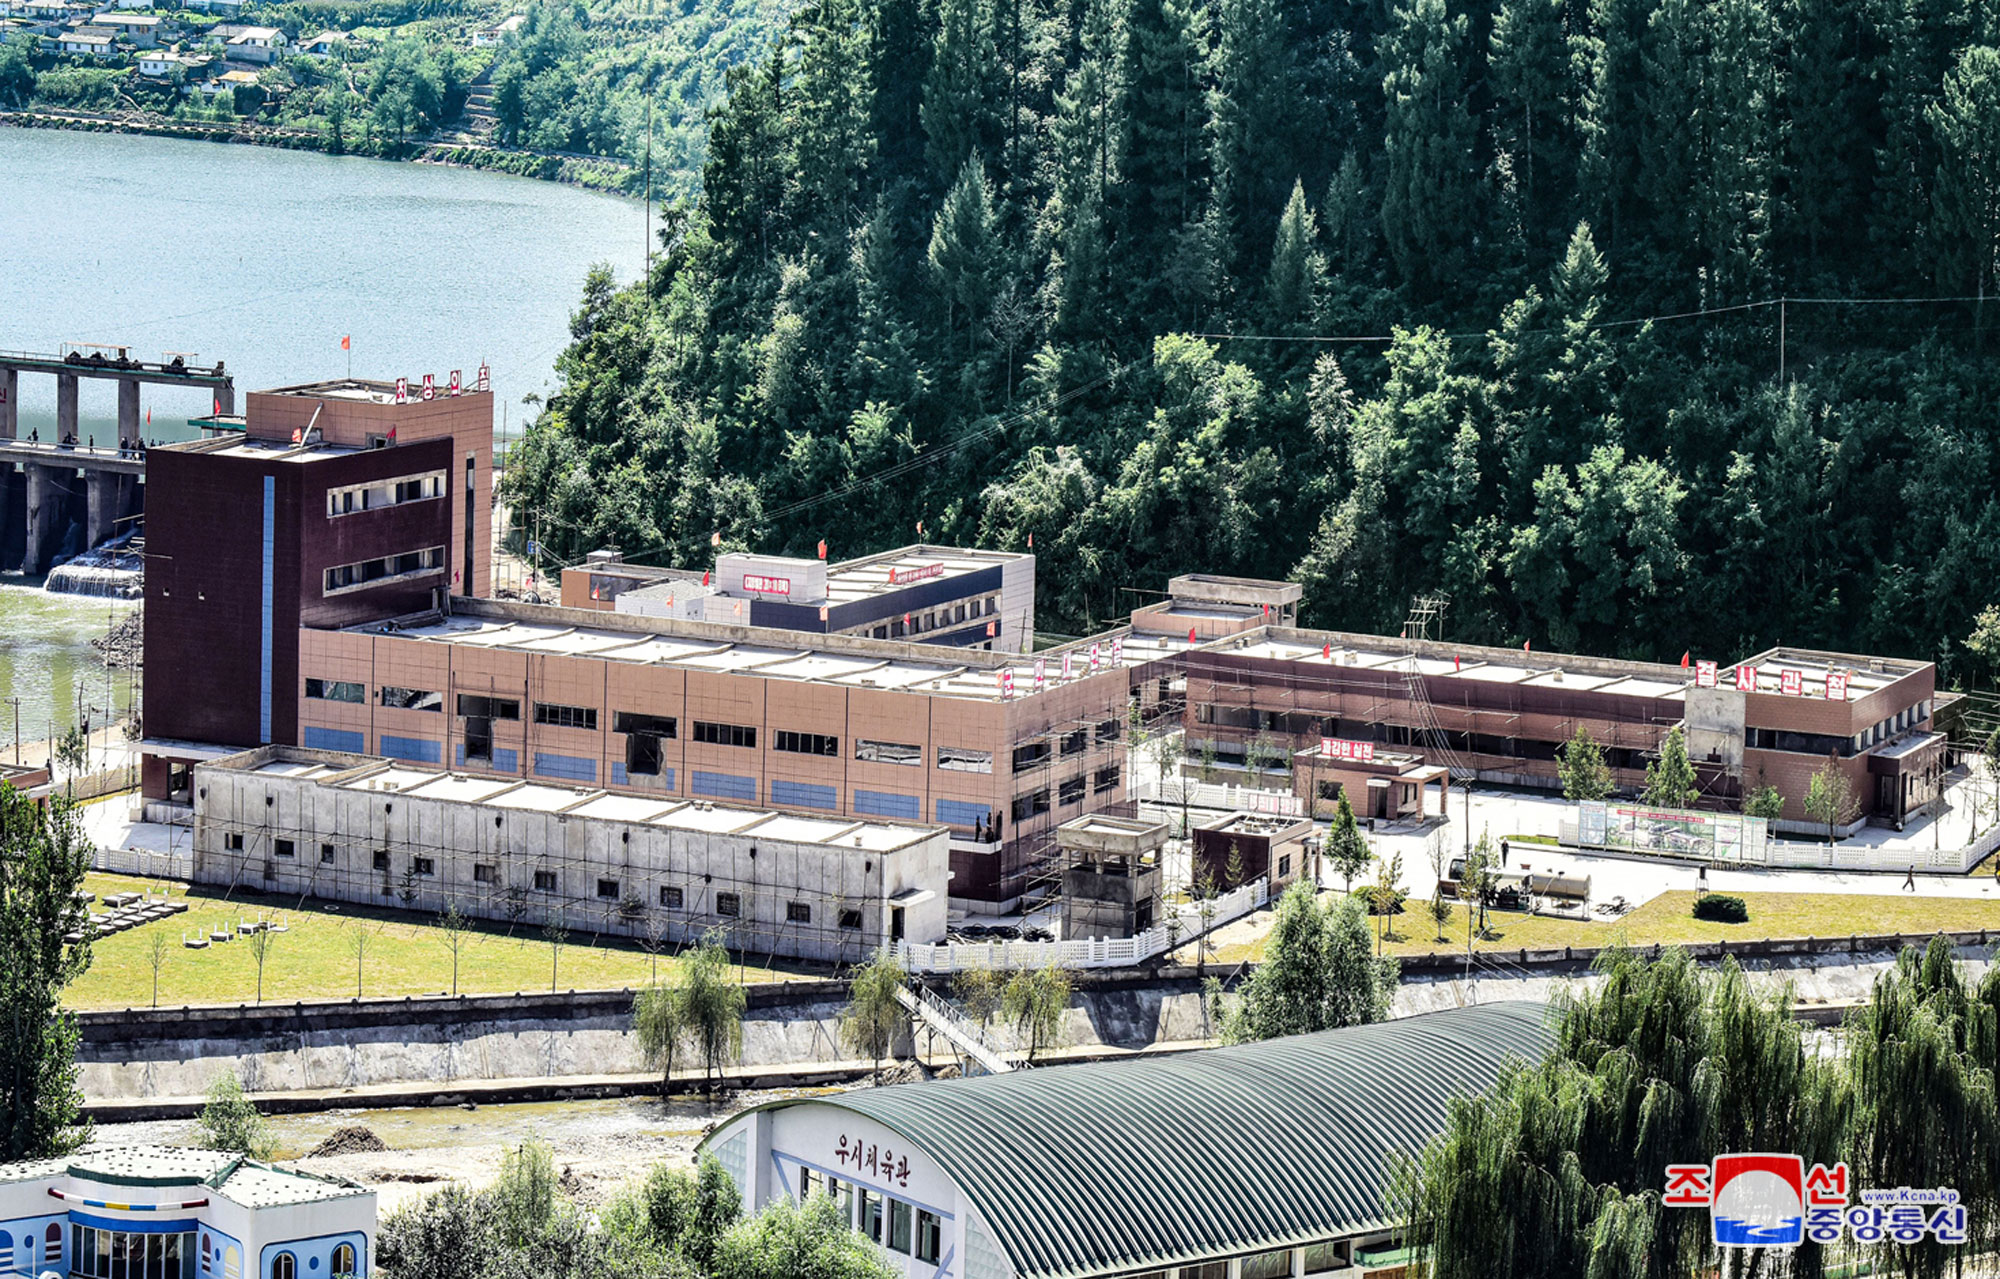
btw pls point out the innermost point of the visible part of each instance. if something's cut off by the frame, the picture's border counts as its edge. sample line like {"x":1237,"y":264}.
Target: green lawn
{"x":1668,"y":919}
{"x":312,"y":959}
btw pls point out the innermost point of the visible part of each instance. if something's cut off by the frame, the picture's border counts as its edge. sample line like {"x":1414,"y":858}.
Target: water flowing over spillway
{"x":112,"y":571}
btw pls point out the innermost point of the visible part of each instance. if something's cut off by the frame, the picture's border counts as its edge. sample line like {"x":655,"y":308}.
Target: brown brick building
{"x":1503,"y":714}
{"x":333,"y":505}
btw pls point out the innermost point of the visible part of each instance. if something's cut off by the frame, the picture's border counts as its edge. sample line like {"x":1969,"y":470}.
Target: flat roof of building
{"x":848,"y":660}
{"x":1470,"y":661}
{"x":249,"y":1182}
{"x":369,"y":773}
{"x":1865,"y":675}
{"x":849,"y":580}
{"x":1117,"y":1151}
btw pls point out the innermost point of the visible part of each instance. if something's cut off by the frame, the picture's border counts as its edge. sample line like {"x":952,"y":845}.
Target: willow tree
{"x":875,"y":1012}
{"x":1922,"y":1053}
{"x":1556,"y":1172}
{"x":698,"y":1010}
{"x":44,"y":946}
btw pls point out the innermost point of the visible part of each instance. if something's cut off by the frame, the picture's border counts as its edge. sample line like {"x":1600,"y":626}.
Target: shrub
{"x":1722,"y":908}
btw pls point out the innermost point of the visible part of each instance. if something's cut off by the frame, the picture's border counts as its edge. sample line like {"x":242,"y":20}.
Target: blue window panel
{"x":956,"y":812}
{"x":420,"y":750}
{"x":804,"y":795}
{"x":877,"y":803}
{"x":662,"y":780}
{"x":725,"y":786}
{"x":333,"y":739}
{"x":570,"y":768}
{"x":503,"y":761}
{"x":265,"y":611}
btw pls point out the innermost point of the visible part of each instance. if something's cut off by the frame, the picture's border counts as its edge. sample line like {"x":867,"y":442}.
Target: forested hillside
{"x":1343,"y":290}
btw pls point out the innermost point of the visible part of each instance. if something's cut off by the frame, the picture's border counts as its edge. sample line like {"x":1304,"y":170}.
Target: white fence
{"x":1795,"y":855}
{"x":1176,"y":791}
{"x":1182,"y":925}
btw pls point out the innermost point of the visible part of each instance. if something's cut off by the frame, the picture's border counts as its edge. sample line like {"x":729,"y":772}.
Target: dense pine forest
{"x":1634,"y":326}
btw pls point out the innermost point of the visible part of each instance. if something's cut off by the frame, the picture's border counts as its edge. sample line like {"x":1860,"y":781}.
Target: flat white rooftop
{"x":367,"y":773}
{"x":804,"y":662}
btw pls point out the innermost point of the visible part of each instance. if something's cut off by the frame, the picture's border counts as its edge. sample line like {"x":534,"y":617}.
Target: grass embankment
{"x":313,"y":959}
{"x":1668,"y":920}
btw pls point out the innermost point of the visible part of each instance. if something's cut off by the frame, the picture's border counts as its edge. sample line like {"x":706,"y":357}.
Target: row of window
{"x":555,"y":716}
{"x":932,"y":619}
{"x":1036,"y":802}
{"x":959,"y":759}
{"x":900,"y":1227}
{"x":1320,"y":1258}
{"x":354,"y":498}
{"x":343,"y":577}
{"x":672,"y":897}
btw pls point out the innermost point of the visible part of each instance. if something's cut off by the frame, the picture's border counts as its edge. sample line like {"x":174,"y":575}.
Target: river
{"x":265,"y":259}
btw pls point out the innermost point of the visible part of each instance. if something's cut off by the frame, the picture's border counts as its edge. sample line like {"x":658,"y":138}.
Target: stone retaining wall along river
{"x":790,"y":1027}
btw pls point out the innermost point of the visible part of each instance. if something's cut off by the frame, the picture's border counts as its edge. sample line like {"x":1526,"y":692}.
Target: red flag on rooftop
{"x":1454,"y":663}
{"x":392,"y":435}
{"x":149,"y":417}
{"x":822,"y":548}
{"x":1031,"y":541}
{"x":1191,"y":635}
{"x":1326,"y":651}
{"x":704,"y":577}
{"x":1684,"y":658}
{"x":346,"y":342}
{"x":1527,"y":646}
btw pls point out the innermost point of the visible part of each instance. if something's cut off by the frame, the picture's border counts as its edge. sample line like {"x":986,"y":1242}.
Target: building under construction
{"x":346,"y":616}
{"x":663,"y":871}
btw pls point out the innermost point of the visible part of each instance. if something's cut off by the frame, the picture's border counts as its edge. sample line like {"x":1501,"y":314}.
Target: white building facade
{"x":158,"y":1212}
{"x":357,"y":828}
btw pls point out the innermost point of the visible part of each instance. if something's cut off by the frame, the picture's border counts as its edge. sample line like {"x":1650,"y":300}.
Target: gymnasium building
{"x":1269,"y":1160}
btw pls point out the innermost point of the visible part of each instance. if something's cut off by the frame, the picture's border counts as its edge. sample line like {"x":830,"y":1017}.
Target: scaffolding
{"x":531,"y":870}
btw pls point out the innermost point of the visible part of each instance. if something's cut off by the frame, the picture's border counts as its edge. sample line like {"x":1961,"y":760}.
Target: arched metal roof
{"x":1112,"y":1167}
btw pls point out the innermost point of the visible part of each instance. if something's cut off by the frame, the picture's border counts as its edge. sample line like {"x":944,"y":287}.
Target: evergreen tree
{"x":1163,"y":153}
{"x":1536,"y":99}
{"x":1298,"y":273}
{"x":1318,"y":972}
{"x":1346,"y":851}
{"x":964,"y":256}
{"x":1584,"y":774}
{"x":961,"y":92}
{"x":1670,"y":782}
{"x":1966,"y":119}
{"x":1250,"y":116}
{"x":1430,"y":186}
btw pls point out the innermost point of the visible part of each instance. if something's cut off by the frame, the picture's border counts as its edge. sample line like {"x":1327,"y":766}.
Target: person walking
{"x":1910,"y":881}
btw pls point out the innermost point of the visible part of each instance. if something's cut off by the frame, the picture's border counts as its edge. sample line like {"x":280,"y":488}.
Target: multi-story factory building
{"x":998,"y":750}
{"x":336,"y":503}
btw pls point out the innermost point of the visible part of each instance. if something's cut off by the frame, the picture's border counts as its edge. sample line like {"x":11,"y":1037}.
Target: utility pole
{"x":1781,"y":339}
{"x":649,"y":192}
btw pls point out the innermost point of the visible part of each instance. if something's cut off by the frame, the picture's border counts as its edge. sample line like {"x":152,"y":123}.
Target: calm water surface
{"x":263,"y":259}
